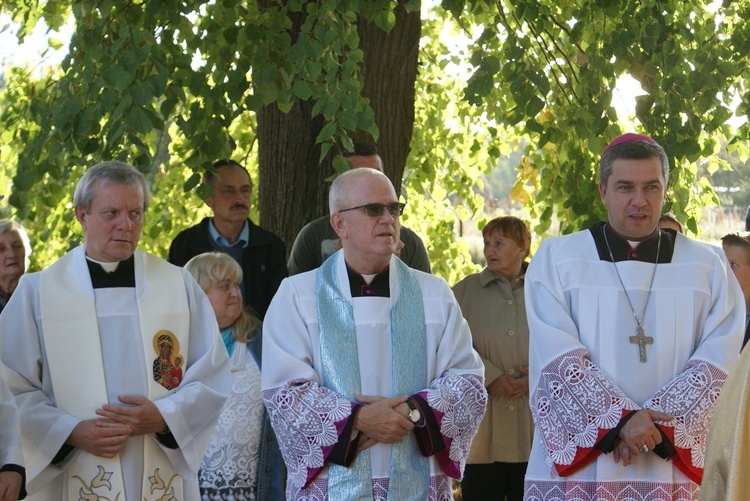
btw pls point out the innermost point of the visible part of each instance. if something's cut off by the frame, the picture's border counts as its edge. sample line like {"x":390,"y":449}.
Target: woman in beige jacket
{"x":492,"y":302}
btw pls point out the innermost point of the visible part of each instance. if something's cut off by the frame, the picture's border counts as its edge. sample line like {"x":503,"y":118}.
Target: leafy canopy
{"x":170,"y":86}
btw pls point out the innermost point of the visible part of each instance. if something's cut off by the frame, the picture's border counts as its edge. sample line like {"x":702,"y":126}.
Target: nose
{"x":387,"y":217}
{"x":639,"y":198}
{"x":124,"y":222}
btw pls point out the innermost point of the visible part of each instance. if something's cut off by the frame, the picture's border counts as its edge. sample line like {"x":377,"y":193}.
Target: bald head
{"x":340,"y":195}
{"x":365,"y":213}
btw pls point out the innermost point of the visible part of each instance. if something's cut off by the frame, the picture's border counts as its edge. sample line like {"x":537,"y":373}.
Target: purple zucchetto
{"x":629,"y":136}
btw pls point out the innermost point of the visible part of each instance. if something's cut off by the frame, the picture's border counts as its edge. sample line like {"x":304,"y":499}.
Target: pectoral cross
{"x":642,"y":340}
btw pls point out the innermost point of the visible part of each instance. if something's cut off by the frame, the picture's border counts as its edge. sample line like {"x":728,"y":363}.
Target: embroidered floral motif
{"x":691,"y":398}
{"x":304,"y":416}
{"x":158,"y":484}
{"x":610,"y":491}
{"x":463,"y":400}
{"x":572,"y":402}
{"x":88,"y":492}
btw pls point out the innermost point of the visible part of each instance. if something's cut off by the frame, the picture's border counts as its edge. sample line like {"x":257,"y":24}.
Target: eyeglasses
{"x":377,"y":210}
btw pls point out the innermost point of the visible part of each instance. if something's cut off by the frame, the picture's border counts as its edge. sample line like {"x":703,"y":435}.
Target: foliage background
{"x":170,"y":86}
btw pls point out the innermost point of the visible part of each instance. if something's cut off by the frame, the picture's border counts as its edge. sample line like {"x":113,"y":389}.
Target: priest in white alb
{"x":369,"y":377}
{"x":114,"y":359}
{"x":633,"y":331}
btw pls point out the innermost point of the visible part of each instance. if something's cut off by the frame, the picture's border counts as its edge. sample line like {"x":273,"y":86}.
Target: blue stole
{"x":409,"y":476}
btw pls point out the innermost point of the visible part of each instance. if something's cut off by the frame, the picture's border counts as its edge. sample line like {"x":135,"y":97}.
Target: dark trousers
{"x":493,"y":482}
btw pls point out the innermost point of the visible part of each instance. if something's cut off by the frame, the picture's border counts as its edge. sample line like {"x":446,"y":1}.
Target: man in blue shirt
{"x":260,"y":253}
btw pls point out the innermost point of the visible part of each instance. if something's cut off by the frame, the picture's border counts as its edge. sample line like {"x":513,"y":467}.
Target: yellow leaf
{"x":518,"y":193}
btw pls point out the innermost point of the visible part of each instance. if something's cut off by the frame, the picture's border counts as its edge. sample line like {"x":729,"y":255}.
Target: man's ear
{"x":337,"y":222}
{"x":81,"y":216}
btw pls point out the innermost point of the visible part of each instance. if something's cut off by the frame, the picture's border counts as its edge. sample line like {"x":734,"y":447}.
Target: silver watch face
{"x":414,"y":415}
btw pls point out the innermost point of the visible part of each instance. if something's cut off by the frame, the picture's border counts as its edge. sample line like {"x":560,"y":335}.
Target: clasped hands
{"x":639,"y":435}
{"x":381,"y":420}
{"x":106,"y":435}
{"x":509,"y":386}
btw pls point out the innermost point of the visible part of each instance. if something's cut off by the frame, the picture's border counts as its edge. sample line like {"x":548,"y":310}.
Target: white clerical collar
{"x":109,"y":267}
{"x":634,"y":243}
{"x":369,"y":278}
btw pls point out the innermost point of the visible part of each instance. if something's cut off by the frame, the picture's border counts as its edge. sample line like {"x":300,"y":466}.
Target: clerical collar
{"x":223,"y":242}
{"x":622,"y":250}
{"x":123,"y":274}
{"x":380,"y":286}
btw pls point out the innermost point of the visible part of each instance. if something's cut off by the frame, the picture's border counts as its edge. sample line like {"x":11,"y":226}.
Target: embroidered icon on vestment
{"x":168,"y":363}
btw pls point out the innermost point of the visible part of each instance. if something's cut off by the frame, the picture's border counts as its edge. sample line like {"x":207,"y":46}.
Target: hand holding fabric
{"x":100,"y":437}
{"x":379,"y":420}
{"x":640,"y":431}
{"x":139,"y":413}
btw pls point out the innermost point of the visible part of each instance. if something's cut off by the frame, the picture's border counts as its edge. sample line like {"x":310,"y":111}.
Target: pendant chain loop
{"x":638,"y":322}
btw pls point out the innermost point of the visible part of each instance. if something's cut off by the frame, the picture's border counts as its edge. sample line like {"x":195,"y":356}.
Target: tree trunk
{"x":390,"y":71}
{"x":292,"y":187}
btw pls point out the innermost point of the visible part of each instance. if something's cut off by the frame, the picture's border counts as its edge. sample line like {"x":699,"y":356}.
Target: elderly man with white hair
{"x":370,"y":379}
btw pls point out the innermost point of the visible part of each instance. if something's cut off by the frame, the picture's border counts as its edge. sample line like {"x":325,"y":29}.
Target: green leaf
{"x":54,"y":43}
{"x":138,"y":120}
{"x":386,"y":20}
{"x":326,"y":132}
{"x":412,"y":5}
{"x":302,"y":89}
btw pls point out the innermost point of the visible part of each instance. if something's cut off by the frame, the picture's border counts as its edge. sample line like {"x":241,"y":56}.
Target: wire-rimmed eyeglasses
{"x":377,"y":210}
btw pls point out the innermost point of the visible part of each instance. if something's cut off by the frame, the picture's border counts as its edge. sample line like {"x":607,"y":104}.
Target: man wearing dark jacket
{"x":260,"y":253}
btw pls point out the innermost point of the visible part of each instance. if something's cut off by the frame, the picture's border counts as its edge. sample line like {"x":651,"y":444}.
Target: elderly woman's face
{"x":226,"y":299}
{"x":12,"y":255}
{"x":504,"y":256}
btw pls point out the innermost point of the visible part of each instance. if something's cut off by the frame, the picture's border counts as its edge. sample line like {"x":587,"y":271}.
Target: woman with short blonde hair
{"x":243,"y":460}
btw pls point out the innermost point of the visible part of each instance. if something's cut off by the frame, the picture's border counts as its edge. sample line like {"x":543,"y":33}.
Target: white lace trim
{"x":609,"y":491}
{"x":441,"y":489}
{"x":462,"y":399}
{"x":229,"y":467}
{"x":304,"y":417}
{"x":691,"y":398}
{"x":572,"y":402}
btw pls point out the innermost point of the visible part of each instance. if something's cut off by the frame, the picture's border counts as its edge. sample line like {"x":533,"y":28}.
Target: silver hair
{"x":633,"y":150}
{"x":112,"y":171}
{"x":337,"y":196}
{"x":14,"y":227}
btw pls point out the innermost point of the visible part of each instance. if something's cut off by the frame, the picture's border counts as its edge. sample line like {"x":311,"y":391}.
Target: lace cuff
{"x":575,"y":405}
{"x":691,"y":399}
{"x":458,"y":403}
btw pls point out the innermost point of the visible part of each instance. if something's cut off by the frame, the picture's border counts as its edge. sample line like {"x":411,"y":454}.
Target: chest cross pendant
{"x":642,"y":340}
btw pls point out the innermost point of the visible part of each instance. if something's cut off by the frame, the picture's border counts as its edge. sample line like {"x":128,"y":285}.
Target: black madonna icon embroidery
{"x":168,"y":363}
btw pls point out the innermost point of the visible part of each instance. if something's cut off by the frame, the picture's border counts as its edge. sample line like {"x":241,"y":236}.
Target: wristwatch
{"x":414,"y":415}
